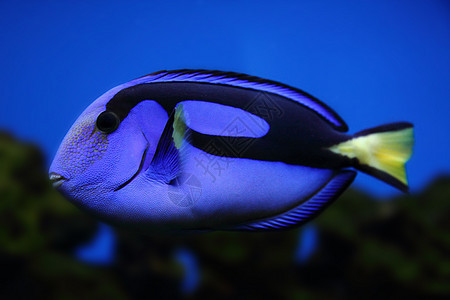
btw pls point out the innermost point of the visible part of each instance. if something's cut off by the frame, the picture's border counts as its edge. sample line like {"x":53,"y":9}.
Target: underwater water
{"x":372,"y":62}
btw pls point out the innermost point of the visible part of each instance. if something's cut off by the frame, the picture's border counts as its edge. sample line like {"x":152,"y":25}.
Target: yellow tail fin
{"x":381,"y":152}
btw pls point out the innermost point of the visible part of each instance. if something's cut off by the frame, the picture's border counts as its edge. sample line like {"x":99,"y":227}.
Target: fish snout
{"x":56,"y":179}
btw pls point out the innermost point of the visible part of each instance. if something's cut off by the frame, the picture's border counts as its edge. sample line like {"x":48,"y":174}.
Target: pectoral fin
{"x":171,"y":151}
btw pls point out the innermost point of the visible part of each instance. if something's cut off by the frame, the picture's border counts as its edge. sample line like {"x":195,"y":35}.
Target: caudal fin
{"x":381,"y":152}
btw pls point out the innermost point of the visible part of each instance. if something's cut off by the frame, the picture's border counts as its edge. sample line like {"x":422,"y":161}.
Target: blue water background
{"x":373,"y":62}
{"x":101,"y":249}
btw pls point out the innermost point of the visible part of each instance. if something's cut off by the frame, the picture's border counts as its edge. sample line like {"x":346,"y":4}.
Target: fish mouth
{"x":57,"y":179}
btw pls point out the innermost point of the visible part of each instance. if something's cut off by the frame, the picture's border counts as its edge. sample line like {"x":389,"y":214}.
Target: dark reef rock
{"x":368,"y":249}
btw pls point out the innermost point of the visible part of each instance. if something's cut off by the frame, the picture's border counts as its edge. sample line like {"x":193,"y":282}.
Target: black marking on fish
{"x":298,"y":136}
{"x":241,"y":80}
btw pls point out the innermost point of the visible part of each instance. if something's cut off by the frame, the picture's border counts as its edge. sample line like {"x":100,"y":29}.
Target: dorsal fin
{"x":249,"y":82}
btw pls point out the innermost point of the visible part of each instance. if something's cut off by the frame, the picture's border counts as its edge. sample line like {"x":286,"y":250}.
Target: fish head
{"x":101,"y":153}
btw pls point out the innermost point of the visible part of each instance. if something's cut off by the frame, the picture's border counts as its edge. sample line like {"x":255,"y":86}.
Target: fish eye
{"x":107,"y":122}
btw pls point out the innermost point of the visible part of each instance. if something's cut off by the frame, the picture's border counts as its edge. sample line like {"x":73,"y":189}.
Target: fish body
{"x":195,"y":150}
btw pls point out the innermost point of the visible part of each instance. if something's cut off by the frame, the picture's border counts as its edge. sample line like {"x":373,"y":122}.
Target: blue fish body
{"x":196,"y":150}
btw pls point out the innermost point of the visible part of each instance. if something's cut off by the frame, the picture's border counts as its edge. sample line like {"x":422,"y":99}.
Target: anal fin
{"x":306,"y":211}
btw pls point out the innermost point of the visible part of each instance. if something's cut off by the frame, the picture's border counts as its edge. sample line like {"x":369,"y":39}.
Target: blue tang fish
{"x":197,"y":150}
